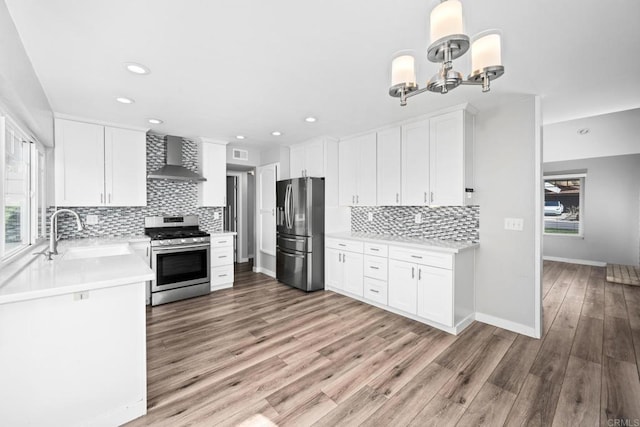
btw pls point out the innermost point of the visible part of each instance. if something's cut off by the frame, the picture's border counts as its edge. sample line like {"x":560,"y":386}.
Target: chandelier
{"x":449,"y":42}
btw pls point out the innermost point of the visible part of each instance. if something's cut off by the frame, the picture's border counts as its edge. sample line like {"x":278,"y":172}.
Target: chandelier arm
{"x":416,"y":92}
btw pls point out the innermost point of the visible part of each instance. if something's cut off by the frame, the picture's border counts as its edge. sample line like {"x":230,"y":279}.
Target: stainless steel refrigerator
{"x":300,"y":233}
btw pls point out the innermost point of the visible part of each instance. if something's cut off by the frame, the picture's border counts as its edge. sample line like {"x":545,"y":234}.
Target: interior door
{"x":231,"y":211}
{"x":267,"y":177}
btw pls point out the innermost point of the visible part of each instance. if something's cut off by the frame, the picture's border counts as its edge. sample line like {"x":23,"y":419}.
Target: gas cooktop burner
{"x":175,"y":234}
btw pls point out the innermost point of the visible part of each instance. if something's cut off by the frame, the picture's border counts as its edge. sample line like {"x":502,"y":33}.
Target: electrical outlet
{"x":514,"y":224}
{"x":418,"y":218}
{"x":370,"y":216}
{"x":91,"y":220}
{"x":216,"y":215}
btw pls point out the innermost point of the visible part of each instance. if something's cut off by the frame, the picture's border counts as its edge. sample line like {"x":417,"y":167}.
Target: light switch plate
{"x":216,"y":215}
{"x":91,"y":219}
{"x":514,"y":224}
{"x":370,"y":216}
{"x":418,"y":218}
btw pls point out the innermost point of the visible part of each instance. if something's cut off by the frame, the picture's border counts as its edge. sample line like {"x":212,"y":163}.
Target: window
{"x":22,"y":207}
{"x":563,"y":199}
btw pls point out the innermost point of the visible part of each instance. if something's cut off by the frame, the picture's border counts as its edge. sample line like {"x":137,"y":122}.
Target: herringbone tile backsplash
{"x":163,"y":198}
{"x":459,"y":223}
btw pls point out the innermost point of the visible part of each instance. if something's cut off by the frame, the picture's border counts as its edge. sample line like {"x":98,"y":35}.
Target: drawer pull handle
{"x":222,"y":256}
{"x":222,"y":241}
{"x":416,"y":256}
{"x":413,"y":272}
{"x":375,"y":249}
{"x":222,"y":275}
{"x":341,"y":244}
{"x":374,"y":291}
{"x":374,"y":268}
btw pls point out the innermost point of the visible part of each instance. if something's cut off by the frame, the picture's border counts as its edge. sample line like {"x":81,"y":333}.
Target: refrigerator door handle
{"x":291,"y":254}
{"x":291,"y":218}
{"x":286,"y":205}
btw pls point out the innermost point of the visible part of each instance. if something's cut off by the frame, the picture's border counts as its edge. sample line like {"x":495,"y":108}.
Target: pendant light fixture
{"x":448,"y":42}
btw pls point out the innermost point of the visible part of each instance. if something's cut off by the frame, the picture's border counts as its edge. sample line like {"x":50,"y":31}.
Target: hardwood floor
{"x":266,"y":354}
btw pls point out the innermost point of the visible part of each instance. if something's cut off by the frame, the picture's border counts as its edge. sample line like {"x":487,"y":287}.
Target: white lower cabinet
{"x":430,"y":286}
{"x":221,"y":261}
{"x":403,"y":286}
{"x":435,"y":294}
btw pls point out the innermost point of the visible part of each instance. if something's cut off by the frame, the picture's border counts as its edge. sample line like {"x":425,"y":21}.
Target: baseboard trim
{"x":518,"y":328}
{"x":264,"y":271}
{"x":575,"y":261}
{"x":223,"y":286}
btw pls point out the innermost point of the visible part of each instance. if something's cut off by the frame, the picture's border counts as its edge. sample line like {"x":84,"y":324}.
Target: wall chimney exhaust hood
{"x":173,"y":170}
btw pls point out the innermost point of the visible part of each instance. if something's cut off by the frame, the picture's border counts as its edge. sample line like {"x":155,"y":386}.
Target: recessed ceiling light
{"x":125,"y":100}
{"x":240,"y":137}
{"x":136,"y":68}
{"x":155,"y":121}
{"x":276,"y":133}
{"x":583,"y":131}
{"x":310,"y":119}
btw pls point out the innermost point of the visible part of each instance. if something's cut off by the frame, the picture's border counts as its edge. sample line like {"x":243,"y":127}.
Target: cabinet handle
{"x":344,"y":258}
{"x":353,"y":200}
{"x":413,"y":272}
{"x":432,"y":197}
{"x":357,"y":199}
{"x":147,"y":251}
{"x":419,"y":274}
{"x":222,"y":256}
{"x":222,"y":275}
{"x":339,"y":257}
{"x":374,"y":291}
{"x":342,"y":244}
{"x":375,"y":249}
{"x":109,"y":197}
{"x":416,"y":256}
{"x":374,"y":268}
{"x":101,"y":198}
{"x":425,"y":197}
{"x":397,"y":198}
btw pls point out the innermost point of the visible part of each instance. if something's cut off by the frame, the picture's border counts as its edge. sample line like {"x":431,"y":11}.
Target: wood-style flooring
{"x":266,"y":354}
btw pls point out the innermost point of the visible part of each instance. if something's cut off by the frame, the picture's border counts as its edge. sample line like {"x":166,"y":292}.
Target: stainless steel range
{"x":180,"y":254}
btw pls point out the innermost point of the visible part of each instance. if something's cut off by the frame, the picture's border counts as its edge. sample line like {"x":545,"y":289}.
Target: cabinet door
{"x":296,"y":160}
{"x":435,"y":294}
{"x":402,"y":285}
{"x":334,"y":271}
{"x":353,"y":272}
{"x":447,"y":159}
{"x":415,"y":164}
{"x":348,"y":170}
{"x":366,"y":174}
{"x":125,"y":174}
{"x":314,"y":159}
{"x":388,"y":171}
{"x":213,"y":166}
{"x":79,"y":163}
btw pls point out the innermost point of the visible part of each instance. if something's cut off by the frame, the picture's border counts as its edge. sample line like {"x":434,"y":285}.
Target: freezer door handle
{"x":289,"y":254}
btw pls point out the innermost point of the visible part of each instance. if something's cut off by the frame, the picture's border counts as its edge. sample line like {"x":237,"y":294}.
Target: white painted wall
{"x":507,"y":265}
{"x":611,"y":211}
{"x":20,"y":89}
{"x":612,"y":134}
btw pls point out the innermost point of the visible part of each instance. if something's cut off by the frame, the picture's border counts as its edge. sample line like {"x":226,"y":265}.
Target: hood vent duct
{"x":173,"y":170}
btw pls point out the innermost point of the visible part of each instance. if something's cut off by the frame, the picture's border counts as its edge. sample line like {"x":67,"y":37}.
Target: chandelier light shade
{"x":403,"y":70}
{"x":446,"y":20}
{"x":449,"y":42}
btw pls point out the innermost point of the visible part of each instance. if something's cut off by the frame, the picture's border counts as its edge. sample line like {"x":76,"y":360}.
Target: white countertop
{"x":223,"y":233}
{"x":448,"y":246}
{"x":36,"y":277}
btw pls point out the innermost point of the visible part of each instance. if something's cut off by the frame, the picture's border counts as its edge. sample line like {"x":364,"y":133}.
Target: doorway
{"x":239,"y":211}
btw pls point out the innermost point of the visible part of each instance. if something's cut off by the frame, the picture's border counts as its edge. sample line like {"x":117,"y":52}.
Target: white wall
{"x":611,"y":211}
{"x":20,"y":89}
{"x":506,"y":165}
{"x":612,"y":134}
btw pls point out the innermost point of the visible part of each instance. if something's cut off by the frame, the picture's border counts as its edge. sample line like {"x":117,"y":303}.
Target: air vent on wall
{"x":240,"y":154}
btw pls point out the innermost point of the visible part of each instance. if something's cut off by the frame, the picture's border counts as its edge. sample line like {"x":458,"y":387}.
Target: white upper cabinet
{"x":415,"y":164}
{"x":389,"y":146}
{"x":307,"y":159}
{"x":357,"y":171}
{"x":125,"y":179}
{"x":212,"y":164}
{"x":98,"y":165}
{"x":451,"y":165}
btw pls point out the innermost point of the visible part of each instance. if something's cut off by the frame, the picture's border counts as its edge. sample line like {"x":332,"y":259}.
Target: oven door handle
{"x":165,"y":249}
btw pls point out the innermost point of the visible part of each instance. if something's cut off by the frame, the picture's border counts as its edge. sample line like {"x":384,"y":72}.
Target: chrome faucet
{"x":53,"y":231}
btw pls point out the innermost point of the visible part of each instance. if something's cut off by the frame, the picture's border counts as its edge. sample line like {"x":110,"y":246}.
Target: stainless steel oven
{"x":180,"y":257}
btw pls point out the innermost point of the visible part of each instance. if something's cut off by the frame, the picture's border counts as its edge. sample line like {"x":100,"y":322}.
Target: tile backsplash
{"x":163,"y":198}
{"x":459,"y":223}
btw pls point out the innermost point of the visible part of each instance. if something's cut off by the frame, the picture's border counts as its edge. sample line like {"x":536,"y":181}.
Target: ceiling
{"x":228,"y":67}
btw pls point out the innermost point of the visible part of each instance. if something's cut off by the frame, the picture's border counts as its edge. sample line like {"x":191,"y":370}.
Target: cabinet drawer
{"x":222,"y":275}
{"x":375,"y":267}
{"x":345,"y":245}
{"x":219,"y":241}
{"x":375,"y":249}
{"x":221,"y":256}
{"x":375,"y":290}
{"x":433,"y":259}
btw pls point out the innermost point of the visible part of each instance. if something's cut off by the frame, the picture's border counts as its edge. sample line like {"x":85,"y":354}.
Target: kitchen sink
{"x":81,"y":252}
